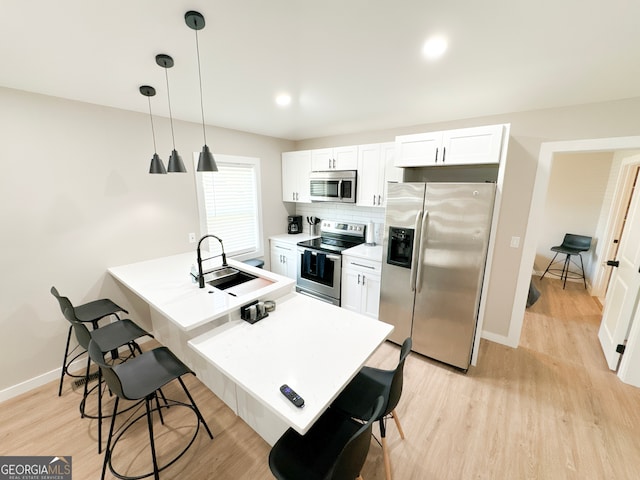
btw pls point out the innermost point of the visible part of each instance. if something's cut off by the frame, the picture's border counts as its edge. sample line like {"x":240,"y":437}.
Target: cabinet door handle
{"x":293,"y":195}
{"x":334,"y":163}
{"x":329,"y":163}
{"x":444,"y":153}
{"x":374,"y":199}
{"x":437,"y":154}
{"x":358,"y":279}
{"x":363,"y":266}
{"x":363,"y":280}
{"x":379,"y":199}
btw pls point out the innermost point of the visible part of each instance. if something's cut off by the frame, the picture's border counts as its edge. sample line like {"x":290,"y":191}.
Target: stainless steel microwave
{"x":333,"y":186}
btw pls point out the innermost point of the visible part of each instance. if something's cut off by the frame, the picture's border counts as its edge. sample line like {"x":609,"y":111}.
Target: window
{"x":229,"y":206}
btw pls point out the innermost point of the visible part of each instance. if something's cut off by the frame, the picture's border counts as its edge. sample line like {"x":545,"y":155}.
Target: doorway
{"x":547,"y":153}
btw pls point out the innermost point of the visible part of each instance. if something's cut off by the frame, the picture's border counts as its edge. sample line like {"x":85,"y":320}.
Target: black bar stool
{"x":90,"y":313}
{"x":140,"y":378}
{"x":571,"y":245}
{"x":110,"y":338}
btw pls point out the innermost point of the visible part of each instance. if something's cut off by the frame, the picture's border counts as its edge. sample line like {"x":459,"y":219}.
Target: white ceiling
{"x":350,"y":65}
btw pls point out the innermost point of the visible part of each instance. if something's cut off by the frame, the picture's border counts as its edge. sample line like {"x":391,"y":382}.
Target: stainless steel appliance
{"x":320,"y":259}
{"x":436,"y":237}
{"x":333,"y":186}
{"x":294,"y":224}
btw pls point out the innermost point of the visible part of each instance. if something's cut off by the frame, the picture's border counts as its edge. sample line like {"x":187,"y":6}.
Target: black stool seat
{"x":97,"y":309}
{"x":572,"y":245}
{"x":335,"y":448}
{"x":114,"y":335}
{"x":160,"y":366}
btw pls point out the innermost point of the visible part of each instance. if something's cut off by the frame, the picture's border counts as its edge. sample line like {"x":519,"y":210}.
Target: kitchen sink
{"x":228,"y":277}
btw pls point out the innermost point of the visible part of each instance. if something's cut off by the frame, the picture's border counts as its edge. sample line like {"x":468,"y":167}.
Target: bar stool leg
{"x":582,"y":268}
{"x":550,"y":263}
{"x":64,"y":361}
{"x":147,"y":401}
{"x":195,"y":407}
{"x":107,"y":452}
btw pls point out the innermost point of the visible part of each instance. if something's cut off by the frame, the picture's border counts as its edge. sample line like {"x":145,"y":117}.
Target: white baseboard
{"x":501,"y":339}
{"x":35,"y":382}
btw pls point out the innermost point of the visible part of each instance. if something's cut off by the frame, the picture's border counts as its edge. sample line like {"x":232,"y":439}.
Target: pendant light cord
{"x":153,"y":131}
{"x":166,"y":76}
{"x":204,"y":133}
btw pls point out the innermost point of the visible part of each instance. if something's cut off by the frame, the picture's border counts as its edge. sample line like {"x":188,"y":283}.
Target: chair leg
{"x":107,"y":452}
{"x":565,"y":270}
{"x":195,"y":407}
{"x":83,"y":403}
{"x":64,"y":361}
{"x":548,"y":266}
{"x":582,"y":268}
{"x":156,"y":473}
{"x":385,"y":450}
{"x":397,"y":420}
{"x":99,"y":410}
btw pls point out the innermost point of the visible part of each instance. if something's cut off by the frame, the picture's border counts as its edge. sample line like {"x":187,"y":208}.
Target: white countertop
{"x":293,"y":238}
{"x":165,"y":283}
{"x":367,"y":252}
{"x":314,"y":347}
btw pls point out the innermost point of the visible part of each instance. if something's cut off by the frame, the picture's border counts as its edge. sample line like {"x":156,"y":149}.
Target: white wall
{"x":76,"y":198}
{"x":575,"y":195}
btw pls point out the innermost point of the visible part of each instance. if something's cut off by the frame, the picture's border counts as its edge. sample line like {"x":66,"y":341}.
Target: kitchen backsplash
{"x":342,"y":212}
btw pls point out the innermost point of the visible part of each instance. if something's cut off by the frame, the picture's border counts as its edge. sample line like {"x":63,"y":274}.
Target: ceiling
{"x":349,"y":65}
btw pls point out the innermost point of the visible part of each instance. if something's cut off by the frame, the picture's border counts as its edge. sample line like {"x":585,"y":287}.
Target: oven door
{"x":319,"y":272}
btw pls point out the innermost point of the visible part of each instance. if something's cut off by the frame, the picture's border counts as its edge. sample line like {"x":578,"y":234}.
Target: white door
{"x":624,"y":286}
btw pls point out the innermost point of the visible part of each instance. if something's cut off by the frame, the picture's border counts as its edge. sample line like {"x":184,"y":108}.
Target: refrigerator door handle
{"x":425,"y":216}
{"x":414,"y":253}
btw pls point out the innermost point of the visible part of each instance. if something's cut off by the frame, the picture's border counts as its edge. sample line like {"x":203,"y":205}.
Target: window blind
{"x":231,"y":209}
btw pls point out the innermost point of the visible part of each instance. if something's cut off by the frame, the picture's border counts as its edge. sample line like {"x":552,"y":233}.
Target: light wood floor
{"x":548,"y":410}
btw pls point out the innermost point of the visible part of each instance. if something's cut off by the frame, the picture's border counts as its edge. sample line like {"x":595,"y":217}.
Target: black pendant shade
{"x":175,"y":160}
{"x":156,"y":163}
{"x":176,"y":165}
{"x":206,"y":163}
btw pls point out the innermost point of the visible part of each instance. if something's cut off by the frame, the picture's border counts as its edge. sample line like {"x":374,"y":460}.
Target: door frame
{"x":614,"y":227}
{"x":547,"y":152}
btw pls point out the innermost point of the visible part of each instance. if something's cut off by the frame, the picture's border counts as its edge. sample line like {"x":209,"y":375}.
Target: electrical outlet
{"x":192,"y":238}
{"x":515,"y":242}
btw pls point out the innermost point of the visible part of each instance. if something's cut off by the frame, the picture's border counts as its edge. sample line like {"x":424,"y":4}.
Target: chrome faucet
{"x":200,"y":259}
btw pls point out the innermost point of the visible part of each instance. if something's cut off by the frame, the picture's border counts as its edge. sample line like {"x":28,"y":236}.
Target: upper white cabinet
{"x":296,"y":167}
{"x":375,"y":169}
{"x":466,"y":146}
{"x":337,"y":158}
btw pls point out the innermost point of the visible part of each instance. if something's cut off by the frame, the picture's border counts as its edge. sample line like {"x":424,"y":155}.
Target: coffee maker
{"x":294,"y":224}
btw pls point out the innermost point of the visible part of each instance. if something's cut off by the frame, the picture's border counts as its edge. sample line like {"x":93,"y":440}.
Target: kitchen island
{"x":314,"y":347}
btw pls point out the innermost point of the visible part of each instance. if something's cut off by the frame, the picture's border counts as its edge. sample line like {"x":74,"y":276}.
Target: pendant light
{"x":206,"y":162}
{"x":156,"y":164}
{"x":175,"y":161}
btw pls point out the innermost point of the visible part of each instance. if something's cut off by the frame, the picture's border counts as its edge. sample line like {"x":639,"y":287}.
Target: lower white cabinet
{"x":361,"y":285}
{"x":284,"y":259}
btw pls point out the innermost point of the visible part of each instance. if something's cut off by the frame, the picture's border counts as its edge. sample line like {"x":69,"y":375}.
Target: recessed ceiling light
{"x":434,"y":47}
{"x":283,"y":99}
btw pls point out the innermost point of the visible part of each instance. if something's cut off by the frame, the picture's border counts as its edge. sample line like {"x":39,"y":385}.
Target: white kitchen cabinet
{"x":361,"y":285}
{"x":465,"y":146}
{"x":337,"y":158}
{"x":296,"y":167}
{"x":375,"y":169}
{"x":284,"y":259}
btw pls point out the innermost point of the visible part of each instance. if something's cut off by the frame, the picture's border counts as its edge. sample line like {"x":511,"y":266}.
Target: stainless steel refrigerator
{"x":435,"y":248}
